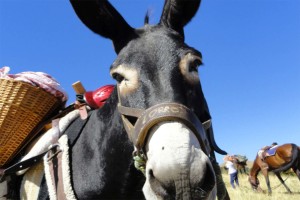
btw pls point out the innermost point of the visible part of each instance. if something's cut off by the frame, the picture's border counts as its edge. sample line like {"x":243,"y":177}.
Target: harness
{"x":51,"y":153}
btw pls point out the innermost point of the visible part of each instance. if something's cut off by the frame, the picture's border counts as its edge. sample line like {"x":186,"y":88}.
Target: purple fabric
{"x":272,"y":151}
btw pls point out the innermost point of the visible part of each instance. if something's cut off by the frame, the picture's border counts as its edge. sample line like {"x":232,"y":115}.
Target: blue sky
{"x":251,"y":53}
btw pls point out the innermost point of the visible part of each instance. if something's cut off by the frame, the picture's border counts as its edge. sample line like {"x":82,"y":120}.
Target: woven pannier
{"x":22,"y":108}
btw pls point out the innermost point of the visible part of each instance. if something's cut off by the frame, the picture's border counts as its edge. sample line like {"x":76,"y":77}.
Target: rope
{"x":140,"y":161}
{"x":280,"y":183}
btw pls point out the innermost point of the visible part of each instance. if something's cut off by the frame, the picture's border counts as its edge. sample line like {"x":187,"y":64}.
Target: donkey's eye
{"x":188,"y":66}
{"x":118,"y":77}
{"x":194,"y":65}
{"x":127,"y":78}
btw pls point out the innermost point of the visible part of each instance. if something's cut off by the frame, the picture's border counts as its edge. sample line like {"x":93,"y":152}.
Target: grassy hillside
{"x":244,"y":192}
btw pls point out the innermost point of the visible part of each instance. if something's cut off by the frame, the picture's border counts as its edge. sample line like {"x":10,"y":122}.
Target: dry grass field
{"x":244,"y":192}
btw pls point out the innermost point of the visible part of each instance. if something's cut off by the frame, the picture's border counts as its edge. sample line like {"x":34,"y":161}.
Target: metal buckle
{"x":54,"y":149}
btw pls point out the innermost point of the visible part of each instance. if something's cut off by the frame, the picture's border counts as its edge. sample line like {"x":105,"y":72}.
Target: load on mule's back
{"x":27,"y":101}
{"x":156,"y":111}
{"x":241,"y":163}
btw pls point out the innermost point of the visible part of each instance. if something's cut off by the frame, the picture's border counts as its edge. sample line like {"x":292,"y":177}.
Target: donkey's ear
{"x":102,"y":18}
{"x":177,"y":13}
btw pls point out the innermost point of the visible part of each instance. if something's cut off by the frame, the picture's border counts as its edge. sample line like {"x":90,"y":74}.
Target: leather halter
{"x":146,"y":119}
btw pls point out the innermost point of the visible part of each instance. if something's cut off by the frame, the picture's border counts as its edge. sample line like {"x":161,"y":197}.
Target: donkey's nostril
{"x":208,"y":183}
{"x":151,"y":174}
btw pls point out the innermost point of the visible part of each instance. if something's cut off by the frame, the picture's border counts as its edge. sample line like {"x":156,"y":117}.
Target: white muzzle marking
{"x":172,"y":150}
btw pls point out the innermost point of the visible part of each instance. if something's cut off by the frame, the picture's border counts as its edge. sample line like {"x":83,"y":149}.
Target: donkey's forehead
{"x":153,"y":44}
{"x":150,"y":32}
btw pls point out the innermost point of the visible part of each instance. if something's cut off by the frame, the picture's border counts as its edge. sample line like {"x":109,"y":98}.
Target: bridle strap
{"x":207,"y":124}
{"x":128,"y":112}
{"x":135,"y":112}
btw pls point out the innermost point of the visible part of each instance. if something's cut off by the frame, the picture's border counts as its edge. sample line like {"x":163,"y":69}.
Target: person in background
{"x":232,"y":171}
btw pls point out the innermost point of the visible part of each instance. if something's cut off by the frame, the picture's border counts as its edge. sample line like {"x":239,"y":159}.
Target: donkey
{"x":156,"y":111}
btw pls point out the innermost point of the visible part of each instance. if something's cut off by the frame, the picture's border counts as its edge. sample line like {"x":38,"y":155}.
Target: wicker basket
{"x":22,"y":108}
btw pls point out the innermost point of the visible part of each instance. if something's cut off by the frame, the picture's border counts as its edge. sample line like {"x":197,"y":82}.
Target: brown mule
{"x":241,"y":167}
{"x":287,"y":156}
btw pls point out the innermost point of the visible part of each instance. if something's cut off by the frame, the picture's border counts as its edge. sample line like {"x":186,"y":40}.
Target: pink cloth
{"x":39,"y":79}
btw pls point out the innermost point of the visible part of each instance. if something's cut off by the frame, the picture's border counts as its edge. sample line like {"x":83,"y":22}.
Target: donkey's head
{"x":160,"y":96}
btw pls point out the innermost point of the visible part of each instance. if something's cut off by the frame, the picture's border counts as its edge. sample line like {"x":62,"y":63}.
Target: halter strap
{"x":135,"y":112}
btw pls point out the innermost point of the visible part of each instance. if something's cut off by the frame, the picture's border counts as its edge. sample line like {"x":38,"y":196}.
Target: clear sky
{"x":251,"y":53}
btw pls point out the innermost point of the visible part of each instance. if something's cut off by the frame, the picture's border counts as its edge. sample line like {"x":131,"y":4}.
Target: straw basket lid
{"x":22,"y":108}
